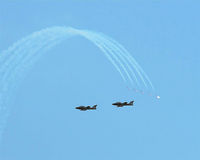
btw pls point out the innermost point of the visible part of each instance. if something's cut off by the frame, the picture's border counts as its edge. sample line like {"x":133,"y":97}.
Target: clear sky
{"x":162,"y":36}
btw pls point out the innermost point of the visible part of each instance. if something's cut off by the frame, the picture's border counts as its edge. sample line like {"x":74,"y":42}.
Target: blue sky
{"x":162,"y":36}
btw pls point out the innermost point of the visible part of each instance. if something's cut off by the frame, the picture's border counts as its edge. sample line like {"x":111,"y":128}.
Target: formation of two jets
{"x":118,"y":104}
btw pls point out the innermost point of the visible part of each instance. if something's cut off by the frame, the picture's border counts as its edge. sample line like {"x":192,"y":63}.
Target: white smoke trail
{"x":20,"y":57}
{"x":99,"y":43}
{"x":130,"y":59}
{"x":119,"y":56}
{"x":31,"y":54}
{"x":28,"y":59}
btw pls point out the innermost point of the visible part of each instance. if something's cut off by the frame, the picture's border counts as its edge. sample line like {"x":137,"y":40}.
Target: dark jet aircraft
{"x":119,"y":104}
{"x":85,"y":108}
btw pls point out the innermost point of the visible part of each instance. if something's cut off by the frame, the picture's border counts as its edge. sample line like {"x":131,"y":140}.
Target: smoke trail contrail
{"x":113,"y":48}
{"x":96,"y":39}
{"x":32,"y":51}
{"x":21,"y":56}
{"x":130,"y":59}
{"x":116,"y":47}
{"x":29,"y":57}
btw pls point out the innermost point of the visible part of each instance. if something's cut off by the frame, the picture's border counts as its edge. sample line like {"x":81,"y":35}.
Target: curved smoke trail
{"x":144,"y":77}
{"x":21,"y":56}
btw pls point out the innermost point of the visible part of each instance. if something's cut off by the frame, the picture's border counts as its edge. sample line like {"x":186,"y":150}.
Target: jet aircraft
{"x":120,"y":104}
{"x":85,"y":108}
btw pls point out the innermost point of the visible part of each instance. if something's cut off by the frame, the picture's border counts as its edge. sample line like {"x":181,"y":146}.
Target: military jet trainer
{"x":85,"y":108}
{"x":120,"y":104}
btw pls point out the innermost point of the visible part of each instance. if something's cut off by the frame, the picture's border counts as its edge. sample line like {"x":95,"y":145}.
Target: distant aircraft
{"x":85,"y":108}
{"x":119,"y":104}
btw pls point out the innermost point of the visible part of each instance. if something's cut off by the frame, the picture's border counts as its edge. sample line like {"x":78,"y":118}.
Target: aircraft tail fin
{"x":95,"y":106}
{"x":131,"y":102}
